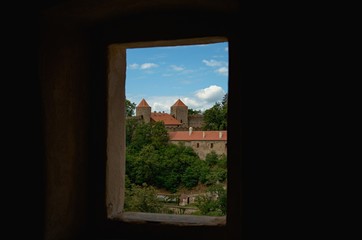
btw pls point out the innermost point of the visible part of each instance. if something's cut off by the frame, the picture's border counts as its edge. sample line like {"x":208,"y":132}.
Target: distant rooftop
{"x":166,"y":118}
{"x":198,"y":136}
{"x":143,"y":103}
{"x":179,"y":103}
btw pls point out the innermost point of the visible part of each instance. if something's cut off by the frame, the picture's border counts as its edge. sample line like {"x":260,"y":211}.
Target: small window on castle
{"x":165,"y":86}
{"x":211,"y":145}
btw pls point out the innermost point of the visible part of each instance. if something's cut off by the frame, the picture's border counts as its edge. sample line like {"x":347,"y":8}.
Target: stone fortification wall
{"x":202,"y":148}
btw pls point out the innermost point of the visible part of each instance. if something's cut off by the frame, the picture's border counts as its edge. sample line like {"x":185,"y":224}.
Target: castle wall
{"x":204,"y":147}
{"x":196,"y":121}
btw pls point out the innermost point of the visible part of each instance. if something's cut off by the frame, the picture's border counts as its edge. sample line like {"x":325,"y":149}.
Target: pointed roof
{"x":143,"y":103}
{"x":179,"y":103}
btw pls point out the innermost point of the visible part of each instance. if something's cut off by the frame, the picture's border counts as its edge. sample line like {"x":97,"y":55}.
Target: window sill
{"x":171,"y":219}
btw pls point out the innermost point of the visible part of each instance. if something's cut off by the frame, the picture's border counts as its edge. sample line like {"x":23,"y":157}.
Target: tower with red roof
{"x":144,"y":110}
{"x":180,"y":111}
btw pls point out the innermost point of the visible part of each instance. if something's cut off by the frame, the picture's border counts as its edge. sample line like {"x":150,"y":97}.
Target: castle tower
{"x":180,"y":111}
{"x":144,"y":110}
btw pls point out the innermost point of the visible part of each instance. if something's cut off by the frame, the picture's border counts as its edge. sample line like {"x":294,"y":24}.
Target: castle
{"x":185,"y":128}
{"x":177,"y":120}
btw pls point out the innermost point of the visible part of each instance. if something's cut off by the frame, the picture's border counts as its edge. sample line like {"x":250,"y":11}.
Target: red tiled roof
{"x":166,"y":118}
{"x":179,"y":103}
{"x":198,"y":136}
{"x":143,"y":103}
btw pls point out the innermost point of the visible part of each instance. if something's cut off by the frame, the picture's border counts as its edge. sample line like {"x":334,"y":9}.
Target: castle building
{"x":143,"y":110}
{"x":185,"y":128}
{"x":178,"y":119}
{"x":180,"y":111}
{"x":203,"y":142}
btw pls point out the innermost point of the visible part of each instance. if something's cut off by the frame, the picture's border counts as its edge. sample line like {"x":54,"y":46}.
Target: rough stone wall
{"x":205,"y":147}
{"x":137,"y":118}
{"x":181,"y":114}
{"x":145,"y":112}
{"x":196,"y":121}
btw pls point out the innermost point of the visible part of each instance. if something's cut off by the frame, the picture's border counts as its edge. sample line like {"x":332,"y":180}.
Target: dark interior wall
{"x":65,"y":83}
{"x":54,"y":109}
{"x":72,"y":64}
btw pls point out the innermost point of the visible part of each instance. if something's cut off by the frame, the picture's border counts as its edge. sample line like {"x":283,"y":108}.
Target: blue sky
{"x":196,"y":74}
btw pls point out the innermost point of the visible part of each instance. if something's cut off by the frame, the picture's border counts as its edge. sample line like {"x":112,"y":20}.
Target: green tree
{"x":130,"y":107}
{"x":225,"y":100}
{"x":217,"y":168}
{"x":154,"y":133}
{"x":219,"y":190}
{"x":173,"y":161}
{"x":142,"y":199}
{"x":213,"y":203}
{"x":141,"y":137}
{"x":159,"y":135}
{"x":193,"y":112}
{"x":144,"y":166}
{"x":195,"y":174}
{"x":131,"y":124}
{"x":211,"y":158}
{"x":215,"y":118}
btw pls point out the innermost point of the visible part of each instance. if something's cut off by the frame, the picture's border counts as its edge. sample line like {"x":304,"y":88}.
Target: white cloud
{"x":161,"y":103}
{"x":142,"y":66}
{"x":133,"y":66}
{"x":223,"y":71}
{"x":192,"y":103}
{"x":160,"y":107}
{"x":177,"y":68}
{"x":202,"y":99}
{"x":210,"y":94}
{"x":223,"y":66}
{"x":148,"y":65}
{"x":226,"y":49}
{"x":213,"y":63}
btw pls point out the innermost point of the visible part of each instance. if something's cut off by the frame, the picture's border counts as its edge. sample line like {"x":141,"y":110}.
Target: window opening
{"x":170,"y":95}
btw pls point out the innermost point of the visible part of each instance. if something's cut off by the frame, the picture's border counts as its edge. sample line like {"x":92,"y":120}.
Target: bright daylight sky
{"x":196,"y":74}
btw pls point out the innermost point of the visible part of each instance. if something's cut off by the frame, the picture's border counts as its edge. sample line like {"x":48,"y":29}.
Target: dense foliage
{"x":152,"y":160}
{"x":213,"y":203}
{"x":193,"y":111}
{"x":215,"y":118}
{"x":154,"y":163}
{"x":130,"y":108}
